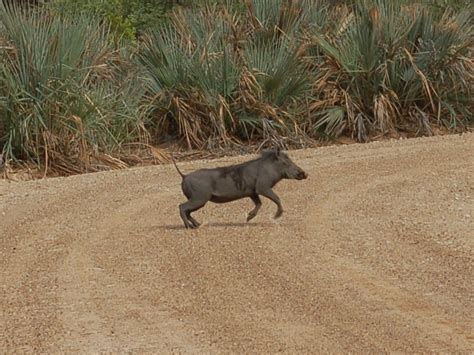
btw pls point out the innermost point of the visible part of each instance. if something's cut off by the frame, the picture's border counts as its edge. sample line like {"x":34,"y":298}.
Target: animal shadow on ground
{"x":216,"y":225}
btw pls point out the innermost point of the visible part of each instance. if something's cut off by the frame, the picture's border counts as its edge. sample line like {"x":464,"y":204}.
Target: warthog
{"x":230,"y":183}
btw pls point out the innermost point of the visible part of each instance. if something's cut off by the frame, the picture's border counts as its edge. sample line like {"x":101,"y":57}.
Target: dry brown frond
{"x":423,"y":121}
{"x":385,"y":113}
{"x":430,"y":91}
{"x":347,"y":17}
{"x":83,"y":148}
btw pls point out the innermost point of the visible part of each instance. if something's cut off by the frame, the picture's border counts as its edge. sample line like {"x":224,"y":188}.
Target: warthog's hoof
{"x":195,"y":224}
{"x":278,"y":214}
{"x":251,"y":216}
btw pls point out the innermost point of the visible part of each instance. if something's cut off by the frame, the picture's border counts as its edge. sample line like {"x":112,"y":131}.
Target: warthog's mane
{"x":272,"y":154}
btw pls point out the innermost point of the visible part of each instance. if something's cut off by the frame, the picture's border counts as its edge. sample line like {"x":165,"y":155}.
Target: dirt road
{"x":373,"y":253}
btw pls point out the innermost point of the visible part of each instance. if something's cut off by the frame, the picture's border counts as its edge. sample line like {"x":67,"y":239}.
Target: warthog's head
{"x":286,"y":166}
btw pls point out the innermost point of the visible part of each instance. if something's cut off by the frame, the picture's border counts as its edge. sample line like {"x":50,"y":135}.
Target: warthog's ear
{"x":270,"y":153}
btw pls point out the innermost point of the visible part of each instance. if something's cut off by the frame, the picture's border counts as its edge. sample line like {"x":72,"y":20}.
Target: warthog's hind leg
{"x":185,"y":210}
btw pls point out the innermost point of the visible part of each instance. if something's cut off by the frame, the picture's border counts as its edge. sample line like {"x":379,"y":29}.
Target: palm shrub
{"x":277,"y":78}
{"x":64,"y":99}
{"x":442,"y":57}
{"x":397,"y":67}
{"x":191,"y":77}
{"x":217,"y":73}
{"x":277,"y":83}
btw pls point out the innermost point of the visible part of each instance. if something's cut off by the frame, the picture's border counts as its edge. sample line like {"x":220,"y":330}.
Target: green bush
{"x":67,"y":96}
{"x":127,"y":17}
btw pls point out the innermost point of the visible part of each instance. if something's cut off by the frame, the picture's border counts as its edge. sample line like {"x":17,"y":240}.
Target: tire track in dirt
{"x":59,"y":272}
{"x":412,"y":304}
{"x":113,"y":315}
{"x":187,"y":277}
{"x":31,"y":245}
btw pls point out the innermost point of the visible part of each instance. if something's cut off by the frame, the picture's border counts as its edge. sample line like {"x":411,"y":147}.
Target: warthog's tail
{"x":176,"y":166}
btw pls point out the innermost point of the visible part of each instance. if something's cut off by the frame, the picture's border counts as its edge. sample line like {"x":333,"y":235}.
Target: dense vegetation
{"x":82,"y":86}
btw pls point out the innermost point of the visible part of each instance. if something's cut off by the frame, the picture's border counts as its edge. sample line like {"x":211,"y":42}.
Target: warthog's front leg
{"x":192,"y":220}
{"x":258,"y":204}
{"x":273,"y":196}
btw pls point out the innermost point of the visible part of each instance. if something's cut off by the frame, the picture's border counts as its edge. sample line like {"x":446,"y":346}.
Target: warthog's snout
{"x":301,"y":175}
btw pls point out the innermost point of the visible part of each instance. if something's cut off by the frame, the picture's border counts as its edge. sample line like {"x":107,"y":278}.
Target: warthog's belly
{"x":223,"y":199}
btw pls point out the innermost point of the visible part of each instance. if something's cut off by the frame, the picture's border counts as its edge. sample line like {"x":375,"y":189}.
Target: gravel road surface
{"x":374,"y":252}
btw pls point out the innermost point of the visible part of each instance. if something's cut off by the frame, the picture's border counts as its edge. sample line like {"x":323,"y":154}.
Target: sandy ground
{"x":373,"y":253}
